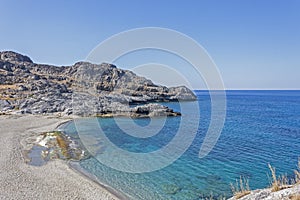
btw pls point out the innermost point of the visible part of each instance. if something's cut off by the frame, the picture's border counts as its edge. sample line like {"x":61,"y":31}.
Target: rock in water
{"x":83,"y":89}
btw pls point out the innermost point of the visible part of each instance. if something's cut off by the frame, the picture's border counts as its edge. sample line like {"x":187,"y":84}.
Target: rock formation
{"x":83,"y":89}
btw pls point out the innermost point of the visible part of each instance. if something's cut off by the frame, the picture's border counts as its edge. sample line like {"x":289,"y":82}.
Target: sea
{"x":261,"y":127}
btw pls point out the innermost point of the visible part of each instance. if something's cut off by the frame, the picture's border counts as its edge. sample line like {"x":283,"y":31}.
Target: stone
{"x":14,"y":57}
{"x":83,"y":89}
{"x":171,"y":189}
{"x":22,"y":88}
{"x":5,"y":105}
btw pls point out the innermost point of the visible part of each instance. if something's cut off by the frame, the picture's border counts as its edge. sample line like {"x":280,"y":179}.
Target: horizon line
{"x":251,"y":89}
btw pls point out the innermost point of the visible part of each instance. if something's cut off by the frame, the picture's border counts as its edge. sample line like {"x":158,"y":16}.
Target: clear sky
{"x":255,"y":43}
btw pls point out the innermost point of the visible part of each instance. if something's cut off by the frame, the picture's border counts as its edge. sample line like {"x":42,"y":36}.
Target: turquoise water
{"x":261,"y":127}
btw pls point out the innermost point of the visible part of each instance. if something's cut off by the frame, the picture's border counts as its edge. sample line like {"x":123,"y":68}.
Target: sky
{"x":254,"y":43}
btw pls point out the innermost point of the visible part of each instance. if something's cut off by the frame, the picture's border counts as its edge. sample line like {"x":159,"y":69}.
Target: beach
{"x":54,"y":180}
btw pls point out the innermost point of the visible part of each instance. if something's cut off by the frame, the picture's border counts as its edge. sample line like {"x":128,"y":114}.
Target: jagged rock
{"x":35,"y":77}
{"x":5,"y":105}
{"x":268,"y":194}
{"x":153,"y":110}
{"x":6,"y":66}
{"x":22,"y":88}
{"x":181,"y":93}
{"x":82,"y":89}
{"x":11,"y":56}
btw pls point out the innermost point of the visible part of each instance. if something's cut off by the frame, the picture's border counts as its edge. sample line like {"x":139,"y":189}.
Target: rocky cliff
{"x":83,"y":89}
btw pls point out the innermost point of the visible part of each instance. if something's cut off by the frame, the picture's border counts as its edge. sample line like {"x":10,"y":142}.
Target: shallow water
{"x":35,"y":156}
{"x":261,"y":127}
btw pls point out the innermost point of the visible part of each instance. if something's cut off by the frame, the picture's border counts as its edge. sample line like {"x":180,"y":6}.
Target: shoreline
{"x":56,"y":179}
{"x":74,"y":165}
{"x":61,"y":179}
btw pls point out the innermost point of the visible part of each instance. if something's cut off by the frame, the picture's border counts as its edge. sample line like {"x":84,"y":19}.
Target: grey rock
{"x":35,"y":77}
{"x":5,"y":105}
{"x":6,"y":66}
{"x":181,"y":93}
{"x":154,"y":110}
{"x":14,"y":57}
{"x":83,"y":89}
{"x":22,"y":88}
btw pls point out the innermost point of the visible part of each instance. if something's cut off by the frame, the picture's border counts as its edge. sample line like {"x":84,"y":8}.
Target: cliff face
{"x":83,"y":89}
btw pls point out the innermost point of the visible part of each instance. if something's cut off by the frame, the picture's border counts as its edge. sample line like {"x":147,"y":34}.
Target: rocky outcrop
{"x":83,"y":89}
{"x":292,"y":192}
{"x":14,"y":57}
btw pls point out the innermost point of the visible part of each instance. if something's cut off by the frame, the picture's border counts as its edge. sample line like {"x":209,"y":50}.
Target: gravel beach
{"x":54,"y":180}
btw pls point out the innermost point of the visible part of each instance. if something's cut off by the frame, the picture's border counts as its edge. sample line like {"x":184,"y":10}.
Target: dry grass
{"x":275,"y":186}
{"x":297,"y":173}
{"x":241,"y":188}
{"x":4,"y":87}
{"x":4,"y":94}
{"x":8,"y":98}
{"x":282,"y":182}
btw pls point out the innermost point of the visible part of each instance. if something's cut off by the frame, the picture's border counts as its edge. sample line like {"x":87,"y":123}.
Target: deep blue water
{"x":261,"y":127}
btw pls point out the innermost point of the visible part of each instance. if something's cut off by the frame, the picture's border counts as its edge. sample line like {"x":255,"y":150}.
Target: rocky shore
{"x":83,"y":89}
{"x":290,"y":193}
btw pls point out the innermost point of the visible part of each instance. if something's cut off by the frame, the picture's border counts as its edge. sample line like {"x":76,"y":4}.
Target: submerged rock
{"x":212,"y":179}
{"x":58,"y":145}
{"x":171,"y":188}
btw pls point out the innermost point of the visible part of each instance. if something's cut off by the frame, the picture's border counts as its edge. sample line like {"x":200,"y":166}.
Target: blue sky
{"x":255,"y":44}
